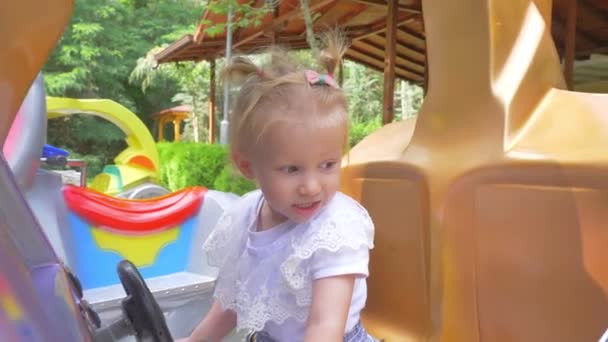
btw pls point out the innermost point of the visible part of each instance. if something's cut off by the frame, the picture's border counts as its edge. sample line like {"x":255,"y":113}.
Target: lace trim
{"x":220,"y":239}
{"x":265,"y":291}
{"x":332,"y":236}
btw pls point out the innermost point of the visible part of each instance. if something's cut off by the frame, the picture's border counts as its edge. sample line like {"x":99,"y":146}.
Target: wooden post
{"x":157,"y":129}
{"x":426,"y":79}
{"x":389,"y":62}
{"x":161,"y":129}
{"x":341,"y":75}
{"x":211,"y":101}
{"x":425,"y":86}
{"x":273,"y":32}
{"x":176,"y":124}
{"x":570,"y":44}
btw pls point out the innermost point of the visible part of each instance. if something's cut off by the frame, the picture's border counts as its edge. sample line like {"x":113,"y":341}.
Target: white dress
{"x":266,"y":277}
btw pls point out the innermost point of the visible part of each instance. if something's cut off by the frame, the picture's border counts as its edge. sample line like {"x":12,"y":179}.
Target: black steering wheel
{"x":140,"y":307}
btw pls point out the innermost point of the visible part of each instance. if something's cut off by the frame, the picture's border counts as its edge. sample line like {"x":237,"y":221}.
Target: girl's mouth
{"x":306,"y":209}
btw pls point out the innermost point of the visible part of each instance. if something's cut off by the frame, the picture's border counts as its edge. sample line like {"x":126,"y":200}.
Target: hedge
{"x":185,"y":164}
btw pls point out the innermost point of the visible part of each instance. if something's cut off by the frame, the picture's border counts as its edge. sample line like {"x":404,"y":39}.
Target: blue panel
{"x":95,"y":267}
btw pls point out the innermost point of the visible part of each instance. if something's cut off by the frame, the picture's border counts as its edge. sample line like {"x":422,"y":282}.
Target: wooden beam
{"x":176,"y":47}
{"x":325,"y":11}
{"x":276,"y":22}
{"x":559,"y":31}
{"x":389,"y":62}
{"x":595,"y":17}
{"x":412,"y":32}
{"x":343,"y":20}
{"x":375,"y":28}
{"x":373,"y":64}
{"x":410,"y":46}
{"x":212,"y":87}
{"x":381,"y":50}
{"x":379,"y":58}
{"x":380,"y":26}
{"x":570,"y":44}
{"x":349,"y":31}
{"x":199,"y":34}
{"x":316,"y":20}
{"x":383,"y":3}
{"x":599,"y":8}
{"x":239,"y":30}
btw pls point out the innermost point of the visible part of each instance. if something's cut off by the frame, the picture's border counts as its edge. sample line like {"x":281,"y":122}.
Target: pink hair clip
{"x":260,"y":73}
{"x":314,"y":78}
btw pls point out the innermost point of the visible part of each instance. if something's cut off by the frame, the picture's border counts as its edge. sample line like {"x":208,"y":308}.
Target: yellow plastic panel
{"x":532,"y":285}
{"x":514,"y":171}
{"x":404,"y":257}
{"x":139,"y":249}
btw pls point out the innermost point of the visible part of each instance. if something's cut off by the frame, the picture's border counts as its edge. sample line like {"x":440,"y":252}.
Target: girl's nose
{"x":310,"y":186}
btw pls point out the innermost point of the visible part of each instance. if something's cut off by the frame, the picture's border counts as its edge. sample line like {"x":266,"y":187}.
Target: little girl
{"x":292,"y":256}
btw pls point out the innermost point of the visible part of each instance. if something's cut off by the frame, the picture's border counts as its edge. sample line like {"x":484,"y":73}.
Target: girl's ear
{"x":243,"y":164}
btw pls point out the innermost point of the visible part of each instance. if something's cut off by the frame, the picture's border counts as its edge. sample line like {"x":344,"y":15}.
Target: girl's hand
{"x":331,"y":299}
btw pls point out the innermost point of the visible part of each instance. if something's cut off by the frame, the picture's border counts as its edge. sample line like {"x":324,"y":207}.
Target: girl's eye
{"x":328,"y":165}
{"x":290,"y":169}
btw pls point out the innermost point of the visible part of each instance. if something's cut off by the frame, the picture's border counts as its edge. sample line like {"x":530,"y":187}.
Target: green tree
{"x":244,"y":15}
{"x":410,"y":97}
{"x":95,"y":56}
{"x":104,"y":40}
{"x":192,"y":88}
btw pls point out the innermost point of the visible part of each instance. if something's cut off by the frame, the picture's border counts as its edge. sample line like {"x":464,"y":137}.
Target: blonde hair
{"x":280,"y":90}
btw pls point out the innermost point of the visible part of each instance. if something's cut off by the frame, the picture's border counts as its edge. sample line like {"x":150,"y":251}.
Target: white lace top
{"x":266,"y":277}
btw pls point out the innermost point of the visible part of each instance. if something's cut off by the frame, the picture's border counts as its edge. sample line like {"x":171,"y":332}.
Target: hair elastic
{"x":314,"y":78}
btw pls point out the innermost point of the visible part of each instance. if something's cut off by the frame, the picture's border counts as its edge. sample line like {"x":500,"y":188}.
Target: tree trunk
{"x":310,"y":34}
{"x":195,"y":129}
{"x":404,"y":100}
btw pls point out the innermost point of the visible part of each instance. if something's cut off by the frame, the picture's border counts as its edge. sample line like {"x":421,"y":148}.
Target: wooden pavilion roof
{"x":365,"y":23}
{"x":182,"y":111}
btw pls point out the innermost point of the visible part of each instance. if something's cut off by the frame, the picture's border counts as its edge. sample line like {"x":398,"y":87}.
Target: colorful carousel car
{"x":490,"y":207}
{"x":73,"y":260}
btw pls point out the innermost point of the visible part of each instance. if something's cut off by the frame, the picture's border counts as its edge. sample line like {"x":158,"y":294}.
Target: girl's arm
{"x":331,"y":298}
{"x":216,"y":324}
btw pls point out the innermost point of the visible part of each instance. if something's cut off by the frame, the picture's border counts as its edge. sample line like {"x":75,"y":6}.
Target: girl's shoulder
{"x":345,"y":208}
{"x":342,"y":200}
{"x":343,"y":230}
{"x":342,"y":223}
{"x":245,"y":205}
{"x":250,"y":199}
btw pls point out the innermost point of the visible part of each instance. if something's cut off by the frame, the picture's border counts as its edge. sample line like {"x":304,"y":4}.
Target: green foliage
{"x":95,"y":163}
{"x":191,"y":84}
{"x":230,"y":180}
{"x":364,"y":88}
{"x":187,"y":164}
{"x":103,"y":41}
{"x":359,"y":129}
{"x":95,"y":56}
{"x":244,"y":15}
{"x":87,"y":136}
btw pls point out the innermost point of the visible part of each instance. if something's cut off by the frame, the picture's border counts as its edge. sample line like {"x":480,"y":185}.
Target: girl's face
{"x":297,"y":168}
